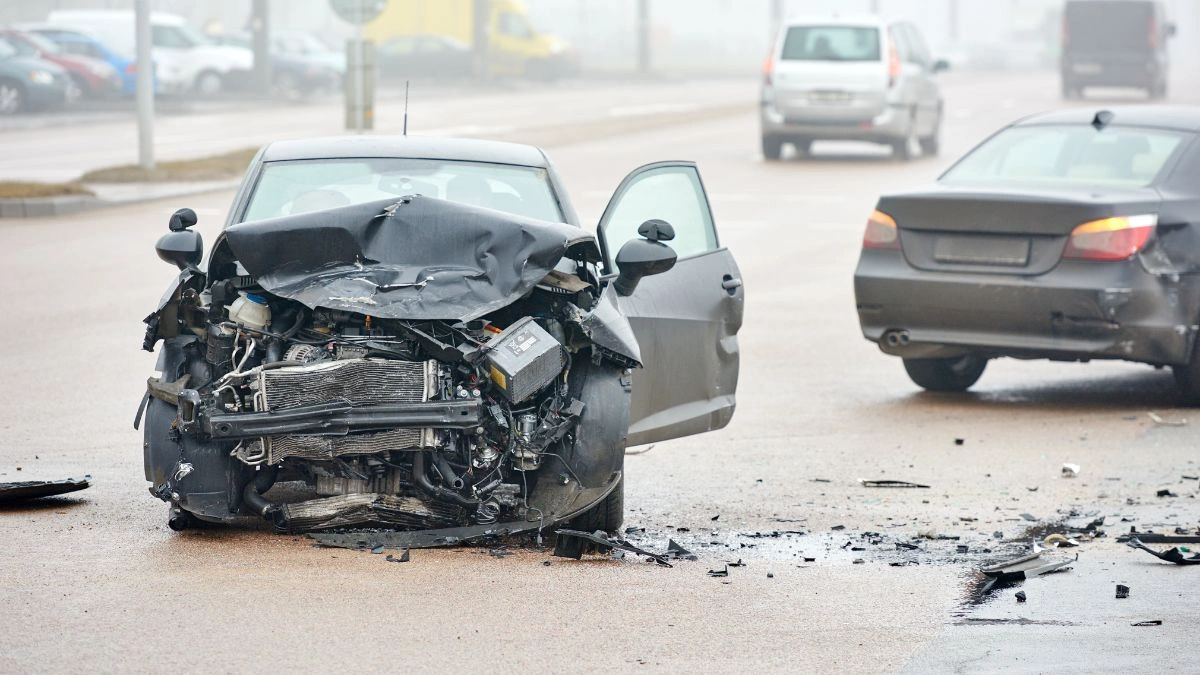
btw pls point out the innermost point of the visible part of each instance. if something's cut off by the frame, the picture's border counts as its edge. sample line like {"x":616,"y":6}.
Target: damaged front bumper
{"x":1077,"y":311}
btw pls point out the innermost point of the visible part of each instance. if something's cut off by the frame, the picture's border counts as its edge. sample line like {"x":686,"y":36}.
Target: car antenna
{"x":1102,"y":119}
{"x":406,"y":107}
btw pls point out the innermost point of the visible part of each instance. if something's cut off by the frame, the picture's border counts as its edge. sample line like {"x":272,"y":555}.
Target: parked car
{"x":184,"y":60}
{"x":91,"y":77}
{"x":29,"y":83}
{"x":851,"y":79}
{"x":423,"y":56}
{"x":293,"y":77}
{"x":1068,"y":235}
{"x":85,"y":44}
{"x":1115,"y":43}
{"x":418,"y":334}
{"x":304,"y":46}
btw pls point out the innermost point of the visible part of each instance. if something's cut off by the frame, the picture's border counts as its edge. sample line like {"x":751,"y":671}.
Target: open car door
{"x":686,"y":319}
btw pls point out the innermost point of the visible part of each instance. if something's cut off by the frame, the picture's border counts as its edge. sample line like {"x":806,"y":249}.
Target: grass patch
{"x":20,"y":190}
{"x":229,"y":165}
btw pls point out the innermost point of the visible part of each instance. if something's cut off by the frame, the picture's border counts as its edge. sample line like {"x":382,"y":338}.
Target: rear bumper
{"x":880,"y":125}
{"x":1101,"y":72}
{"x":1077,"y":311}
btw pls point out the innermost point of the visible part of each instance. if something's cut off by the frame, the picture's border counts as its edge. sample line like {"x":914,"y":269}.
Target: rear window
{"x":1105,"y":25}
{"x":831,"y":43}
{"x":1069,"y":155}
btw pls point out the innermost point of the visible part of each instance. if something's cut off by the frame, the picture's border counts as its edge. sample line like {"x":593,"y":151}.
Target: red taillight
{"x":881,"y":231}
{"x":1066,"y":33}
{"x":893,"y":63}
{"x":1153,"y":33}
{"x":131,"y":68}
{"x":768,"y":68}
{"x":1110,"y":239}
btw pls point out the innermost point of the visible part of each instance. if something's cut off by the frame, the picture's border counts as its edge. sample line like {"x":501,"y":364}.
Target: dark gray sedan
{"x":1068,"y":236}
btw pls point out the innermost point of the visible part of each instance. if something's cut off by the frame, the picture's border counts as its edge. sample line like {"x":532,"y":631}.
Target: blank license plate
{"x":1088,"y":68}
{"x":1009,"y":251}
{"x":830,"y":96}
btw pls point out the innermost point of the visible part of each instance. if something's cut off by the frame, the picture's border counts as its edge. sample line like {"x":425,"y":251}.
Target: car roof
{"x":1178,"y":117}
{"x":835,"y":20}
{"x":415,"y":147}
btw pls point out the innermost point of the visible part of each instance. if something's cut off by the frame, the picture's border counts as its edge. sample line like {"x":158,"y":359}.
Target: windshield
{"x":831,"y":43}
{"x":1068,"y":156}
{"x":18,"y":46}
{"x":6,"y":50}
{"x":289,"y":188}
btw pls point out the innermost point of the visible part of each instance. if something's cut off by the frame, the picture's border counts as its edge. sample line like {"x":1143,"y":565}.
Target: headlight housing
{"x":41,"y":77}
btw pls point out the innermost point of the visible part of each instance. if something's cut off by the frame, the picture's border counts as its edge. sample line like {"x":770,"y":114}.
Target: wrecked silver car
{"x":417,"y":335}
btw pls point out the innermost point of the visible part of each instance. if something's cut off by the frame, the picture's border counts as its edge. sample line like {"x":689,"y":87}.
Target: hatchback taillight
{"x":1110,"y":239}
{"x":768,"y":69}
{"x":881,"y":231}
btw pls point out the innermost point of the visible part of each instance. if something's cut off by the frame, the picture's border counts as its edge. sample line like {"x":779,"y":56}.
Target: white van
{"x":860,"y":79}
{"x":184,"y":60}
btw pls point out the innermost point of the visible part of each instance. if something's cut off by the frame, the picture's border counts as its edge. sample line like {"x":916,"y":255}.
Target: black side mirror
{"x":182,"y":220}
{"x":644,"y":257}
{"x":941,"y":65}
{"x":182,"y":249}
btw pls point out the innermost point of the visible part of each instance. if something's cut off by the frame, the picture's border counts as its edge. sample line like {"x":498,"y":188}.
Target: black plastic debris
{"x":739,"y":563}
{"x":599,"y":537}
{"x":810,"y":560}
{"x":37,"y":489}
{"x":1171,"y":555}
{"x":1165,"y":493}
{"x":677,"y":552}
{"x":1152,"y":538}
{"x":716,"y":517}
{"x":1029,"y":516}
{"x":820,"y":480}
{"x":963,"y":548}
{"x":724,"y":572}
{"x":1122,"y":591}
{"x":1020,"y":596}
{"x":859,"y":561}
{"x":905,"y":546}
{"x":890,"y":484}
{"x":545,"y":563}
{"x":635,"y":530}
{"x":959,"y":441}
{"x":998,"y":534}
{"x":838,"y":527}
{"x":1152,"y":622}
{"x":903,"y":563}
{"x":770,"y":575}
{"x":404,"y":557}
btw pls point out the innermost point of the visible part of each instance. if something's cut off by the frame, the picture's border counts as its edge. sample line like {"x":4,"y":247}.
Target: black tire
{"x":12,"y":97}
{"x":1187,"y":378}
{"x":209,"y":83}
{"x":902,"y":148}
{"x":932,"y":145}
{"x":607,"y":516}
{"x":772,"y":148}
{"x":947,"y":375}
{"x":803,"y":147}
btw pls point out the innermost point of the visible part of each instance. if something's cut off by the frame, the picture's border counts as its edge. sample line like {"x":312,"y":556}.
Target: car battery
{"x":524,"y":358}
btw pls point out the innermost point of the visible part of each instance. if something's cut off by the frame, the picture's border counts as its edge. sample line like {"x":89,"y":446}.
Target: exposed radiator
{"x":328,"y":447}
{"x":356,"y":381}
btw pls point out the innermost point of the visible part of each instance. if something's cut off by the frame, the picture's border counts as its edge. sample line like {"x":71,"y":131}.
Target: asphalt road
{"x":98,"y":582}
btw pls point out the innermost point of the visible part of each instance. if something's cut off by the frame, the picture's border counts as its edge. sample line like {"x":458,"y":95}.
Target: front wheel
{"x":607,"y":516}
{"x":947,"y":375}
{"x":12,"y":97}
{"x":209,"y":83}
{"x":931,"y":145}
{"x":772,"y":148}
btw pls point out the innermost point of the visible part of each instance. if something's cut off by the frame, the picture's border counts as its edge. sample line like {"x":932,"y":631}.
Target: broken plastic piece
{"x":1020,"y":596}
{"x":36,"y":489}
{"x":724,"y":572}
{"x":1025,"y":567}
{"x":1070,"y":470}
{"x":1165,"y":422}
{"x":1059,"y":541}
{"x":674,"y":550}
{"x":1122,"y":591}
{"x":1152,"y":538}
{"x":599,"y":537}
{"x":404,"y":557}
{"x":890,"y":483}
{"x":1152,"y":622}
{"x":1171,"y":555}
{"x":1165,"y":493}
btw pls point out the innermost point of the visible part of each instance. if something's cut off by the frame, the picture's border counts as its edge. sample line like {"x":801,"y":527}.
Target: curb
{"x":41,"y":207}
{"x":49,"y":207}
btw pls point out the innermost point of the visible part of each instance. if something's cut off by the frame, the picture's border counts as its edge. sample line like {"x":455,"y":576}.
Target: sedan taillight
{"x":1110,"y":239}
{"x":881,"y":231}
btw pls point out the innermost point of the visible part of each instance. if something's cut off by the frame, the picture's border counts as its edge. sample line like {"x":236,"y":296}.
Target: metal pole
{"x":262,"y":46}
{"x":145,"y":85}
{"x":360,"y":73}
{"x":643,"y":36}
{"x":953,"y":20}
{"x":481,"y":11}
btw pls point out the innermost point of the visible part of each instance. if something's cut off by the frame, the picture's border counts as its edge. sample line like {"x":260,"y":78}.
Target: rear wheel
{"x":772,"y":148}
{"x":904,"y":149}
{"x":12,"y":97}
{"x":209,"y":83}
{"x":951,"y":375}
{"x":931,"y":145}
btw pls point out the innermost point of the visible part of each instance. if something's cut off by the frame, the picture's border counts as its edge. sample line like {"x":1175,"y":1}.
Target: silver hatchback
{"x":851,"y":79}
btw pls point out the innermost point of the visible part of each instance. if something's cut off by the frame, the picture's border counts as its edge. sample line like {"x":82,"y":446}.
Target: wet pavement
{"x":819,"y":409}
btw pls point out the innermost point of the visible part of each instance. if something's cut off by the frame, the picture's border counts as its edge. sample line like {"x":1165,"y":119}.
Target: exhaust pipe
{"x":896,"y":338}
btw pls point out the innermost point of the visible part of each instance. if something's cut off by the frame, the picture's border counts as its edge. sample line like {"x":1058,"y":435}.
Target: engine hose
{"x":448,"y":475}
{"x":252,"y":494}
{"x":421,"y":478}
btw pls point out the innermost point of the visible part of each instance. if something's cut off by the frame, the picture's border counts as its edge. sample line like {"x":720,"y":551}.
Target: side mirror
{"x":644,"y":257}
{"x":183,"y":248}
{"x":182,"y":220}
{"x":941,"y":65}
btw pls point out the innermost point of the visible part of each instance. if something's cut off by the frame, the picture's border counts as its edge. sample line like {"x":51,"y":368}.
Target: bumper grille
{"x":357,"y":381}
{"x":328,"y":447}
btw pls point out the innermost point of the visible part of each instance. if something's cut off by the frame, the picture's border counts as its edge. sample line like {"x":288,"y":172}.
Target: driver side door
{"x":686,"y":319}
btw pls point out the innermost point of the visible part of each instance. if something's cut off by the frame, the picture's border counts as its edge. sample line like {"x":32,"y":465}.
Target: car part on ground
{"x":36,"y":489}
{"x":1171,"y":555}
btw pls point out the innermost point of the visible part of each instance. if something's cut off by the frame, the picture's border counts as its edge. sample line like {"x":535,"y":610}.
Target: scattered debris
{"x":1029,"y":516}
{"x":599,"y":537}
{"x":643,"y":451}
{"x":810,"y":559}
{"x":501,"y":552}
{"x":770,"y":575}
{"x":1025,"y":567}
{"x":1057,"y":540}
{"x":36,"y":489}
{"x":1165,"y":493}
{"x":905,"y":546}
{"x":1152,"y":622}
{"x":967,"y":519}
{"x":959,"y":441}
{"x":819,"y":480}
{"x":1070,"y":470}
{"x":890,"y":483}
{"x":716,"y":517}
{"x":1185,"y":477}
{"x":859,"y":561}
{"x":838,"y":527}
{"x":1020,"y":596}
{"x":545,"y":563}
{"x":1158,"y":419}
{"x":903,"y":563}
{"x":635,"y":530}
{"x":677,"y":552}
{"x":1122,"y":591}
{"x":963,"y":548}
{"x":1171,"y":555}
{"x":378,"y":549}
{"x":1032,"y":489}
{"x":739,"y":563}
{"x":1152,"y":538}
{"x":998,"y":534}
{"x":405,"y":557}
{"x":724,"y":572}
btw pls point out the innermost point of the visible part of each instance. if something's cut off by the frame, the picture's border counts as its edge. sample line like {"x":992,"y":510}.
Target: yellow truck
{"x":514,"y":48}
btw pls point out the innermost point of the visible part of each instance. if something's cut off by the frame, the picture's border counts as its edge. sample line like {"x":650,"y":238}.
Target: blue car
{"x":76,"y":42}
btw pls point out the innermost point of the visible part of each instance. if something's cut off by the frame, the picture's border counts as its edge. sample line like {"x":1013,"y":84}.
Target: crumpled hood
{"x":415,"y":257}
